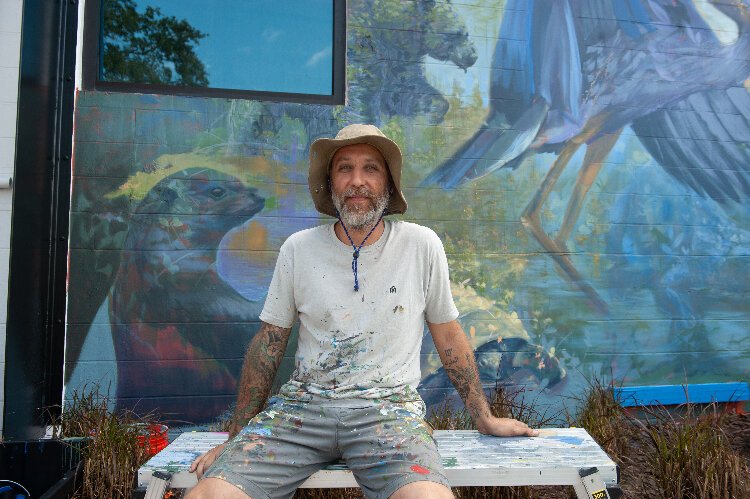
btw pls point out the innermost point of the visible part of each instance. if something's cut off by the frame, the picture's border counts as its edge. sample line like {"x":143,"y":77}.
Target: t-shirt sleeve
{"x":280,"y":308}
{"x":439,"y":306}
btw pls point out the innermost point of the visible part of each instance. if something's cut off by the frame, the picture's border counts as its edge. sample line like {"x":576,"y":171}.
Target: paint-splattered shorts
{"x":386,"y":445}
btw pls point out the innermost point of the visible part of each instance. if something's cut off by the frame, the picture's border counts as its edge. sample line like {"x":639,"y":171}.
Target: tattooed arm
{"x":259,"y":368}
{"x":458,"y":360}
{"x":262,"y":360}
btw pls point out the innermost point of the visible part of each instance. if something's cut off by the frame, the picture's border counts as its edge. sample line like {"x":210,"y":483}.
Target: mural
{"x":588,"y":69}
{"x":630,"y":265}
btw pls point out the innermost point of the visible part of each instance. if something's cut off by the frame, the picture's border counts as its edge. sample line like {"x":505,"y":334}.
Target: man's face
{"x":360,"y":185}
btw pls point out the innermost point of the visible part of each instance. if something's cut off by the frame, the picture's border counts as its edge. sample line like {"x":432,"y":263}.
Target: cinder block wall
{"x":10,"y":40}
{"x":647,"y":285}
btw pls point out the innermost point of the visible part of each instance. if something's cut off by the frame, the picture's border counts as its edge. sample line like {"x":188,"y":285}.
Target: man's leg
{"x":214,"y":487}
{"x":421,"y":490}
{"x":275,"y":453}
{"x":390,"y":449}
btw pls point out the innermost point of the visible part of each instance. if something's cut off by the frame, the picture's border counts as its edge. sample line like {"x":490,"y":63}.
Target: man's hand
{"x":203,"y":462}
{"x":505,"y":427}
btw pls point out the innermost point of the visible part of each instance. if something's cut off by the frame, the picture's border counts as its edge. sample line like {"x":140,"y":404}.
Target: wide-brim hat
{"x":321,"y":154}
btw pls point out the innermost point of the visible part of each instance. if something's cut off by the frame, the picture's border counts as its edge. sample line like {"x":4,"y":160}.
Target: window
{"x":268,"y":49}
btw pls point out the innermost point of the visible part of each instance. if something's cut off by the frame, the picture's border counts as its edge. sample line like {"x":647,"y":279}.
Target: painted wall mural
{"x":586,"y":163}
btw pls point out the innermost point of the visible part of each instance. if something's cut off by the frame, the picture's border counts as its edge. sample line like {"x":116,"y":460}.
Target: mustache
{"x":358,"y":192}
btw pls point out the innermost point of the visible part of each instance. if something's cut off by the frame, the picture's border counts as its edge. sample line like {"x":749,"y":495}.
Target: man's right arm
{"x":262,"y":360}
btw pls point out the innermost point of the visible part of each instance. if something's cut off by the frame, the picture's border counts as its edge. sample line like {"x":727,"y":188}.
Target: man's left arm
{"x":457,"y":357}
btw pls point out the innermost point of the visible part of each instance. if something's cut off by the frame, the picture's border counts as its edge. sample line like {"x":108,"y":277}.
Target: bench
{"x":731,"y":395}
{"x":558,"y":456}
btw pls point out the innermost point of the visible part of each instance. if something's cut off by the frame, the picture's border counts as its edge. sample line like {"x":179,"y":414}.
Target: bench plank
{"x":553,"y":458}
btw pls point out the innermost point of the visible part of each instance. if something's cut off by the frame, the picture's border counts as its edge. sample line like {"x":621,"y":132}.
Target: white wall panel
{"x":10,"y":40}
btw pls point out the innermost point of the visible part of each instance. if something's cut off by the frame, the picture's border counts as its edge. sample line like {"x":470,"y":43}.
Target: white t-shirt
{"x":362,"y":344}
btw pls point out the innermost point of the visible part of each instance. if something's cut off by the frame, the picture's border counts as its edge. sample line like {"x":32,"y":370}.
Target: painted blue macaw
{"x":573,"y":72}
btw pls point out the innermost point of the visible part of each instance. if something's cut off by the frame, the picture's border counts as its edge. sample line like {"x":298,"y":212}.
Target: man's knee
{"x":419,"y":490}
{"x":215,"y":487}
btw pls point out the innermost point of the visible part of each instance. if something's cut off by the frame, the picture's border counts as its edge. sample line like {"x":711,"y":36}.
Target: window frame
{"x":91,"y":61}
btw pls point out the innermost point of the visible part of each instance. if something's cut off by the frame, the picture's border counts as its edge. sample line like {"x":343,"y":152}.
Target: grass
{"x":604,"y":418}
{"x":113,"y":455}
{"x":691,"y":457}
{"x":684,"y":452}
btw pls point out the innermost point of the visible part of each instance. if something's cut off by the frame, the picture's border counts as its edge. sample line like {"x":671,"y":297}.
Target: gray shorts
{"x":385,"y":444}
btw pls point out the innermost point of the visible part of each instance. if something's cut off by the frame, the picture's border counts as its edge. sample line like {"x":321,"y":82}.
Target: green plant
{"x":737,"y":429}
{"x":447,"y":417}
{"x":113,"y":454}
{"x":80,"y":416}
{"x":514,"y":404}
{"x":678,"y":452}
{"x":112,"y":459}
{"x":603,"y":417}
{"x":691,"y":458}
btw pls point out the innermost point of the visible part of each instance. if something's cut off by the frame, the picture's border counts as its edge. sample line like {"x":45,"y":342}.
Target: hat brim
{"x":321,"y":153}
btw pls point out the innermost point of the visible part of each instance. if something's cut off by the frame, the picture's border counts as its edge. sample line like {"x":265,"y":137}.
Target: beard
{"x":356,"y":219}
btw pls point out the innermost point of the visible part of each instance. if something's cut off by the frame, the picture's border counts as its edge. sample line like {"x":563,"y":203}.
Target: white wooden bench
{"x":558,"y":456}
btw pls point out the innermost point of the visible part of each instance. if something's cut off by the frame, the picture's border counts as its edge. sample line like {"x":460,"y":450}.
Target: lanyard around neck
{"x":355,"y":255}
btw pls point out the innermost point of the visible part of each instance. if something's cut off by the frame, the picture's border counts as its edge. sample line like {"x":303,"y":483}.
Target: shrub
{"x":113,"y":455}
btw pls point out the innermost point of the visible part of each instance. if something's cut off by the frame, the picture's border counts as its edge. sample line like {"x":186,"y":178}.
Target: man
{"x":361,"y":289}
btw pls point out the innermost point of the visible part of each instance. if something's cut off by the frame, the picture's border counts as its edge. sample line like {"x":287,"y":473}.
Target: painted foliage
{"x":586,"y":163}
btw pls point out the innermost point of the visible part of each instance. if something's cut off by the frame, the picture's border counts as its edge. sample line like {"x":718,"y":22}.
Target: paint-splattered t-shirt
{"x":362,"y":343}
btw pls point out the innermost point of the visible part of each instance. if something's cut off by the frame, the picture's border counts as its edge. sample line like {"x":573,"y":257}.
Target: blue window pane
{"x":259,"y":45}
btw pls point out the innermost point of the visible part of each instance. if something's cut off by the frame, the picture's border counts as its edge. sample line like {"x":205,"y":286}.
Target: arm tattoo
{"x":464,"y":375}
{"x":262,"y":360}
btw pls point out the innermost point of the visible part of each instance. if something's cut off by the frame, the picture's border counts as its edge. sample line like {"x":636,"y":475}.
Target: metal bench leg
{"x":592,"y":485}
{"x":158,"y":485}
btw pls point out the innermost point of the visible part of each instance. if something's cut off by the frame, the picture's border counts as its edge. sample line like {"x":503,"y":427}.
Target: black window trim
{"x":91,"y":55}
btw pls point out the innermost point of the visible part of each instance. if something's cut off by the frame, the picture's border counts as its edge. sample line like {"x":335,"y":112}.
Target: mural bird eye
{"x":217,"y":192}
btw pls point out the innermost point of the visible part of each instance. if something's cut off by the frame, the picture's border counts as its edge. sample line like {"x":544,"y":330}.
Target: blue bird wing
{"x":601,"y":20}
{"x":511,"y":78}
{"x":536,"y":64}
{"x":702,"y":141}
{"x":493,"y":146}
{"x":548,"y":53}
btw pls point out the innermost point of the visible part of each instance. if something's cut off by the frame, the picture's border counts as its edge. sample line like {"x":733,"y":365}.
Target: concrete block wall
{"x":659,"y":248}
{"x":10,"y":40}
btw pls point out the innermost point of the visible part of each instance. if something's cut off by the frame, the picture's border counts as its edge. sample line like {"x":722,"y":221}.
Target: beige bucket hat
{"x":322,"y":151}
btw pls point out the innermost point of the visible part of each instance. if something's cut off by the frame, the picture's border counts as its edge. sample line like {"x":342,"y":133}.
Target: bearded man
{"x":362,"y":288}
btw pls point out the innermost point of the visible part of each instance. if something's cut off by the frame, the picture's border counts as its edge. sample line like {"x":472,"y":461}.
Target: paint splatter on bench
{"x":558,"y":456}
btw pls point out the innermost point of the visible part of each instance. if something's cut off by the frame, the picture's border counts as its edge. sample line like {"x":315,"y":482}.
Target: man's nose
{"x":358,"y":177}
